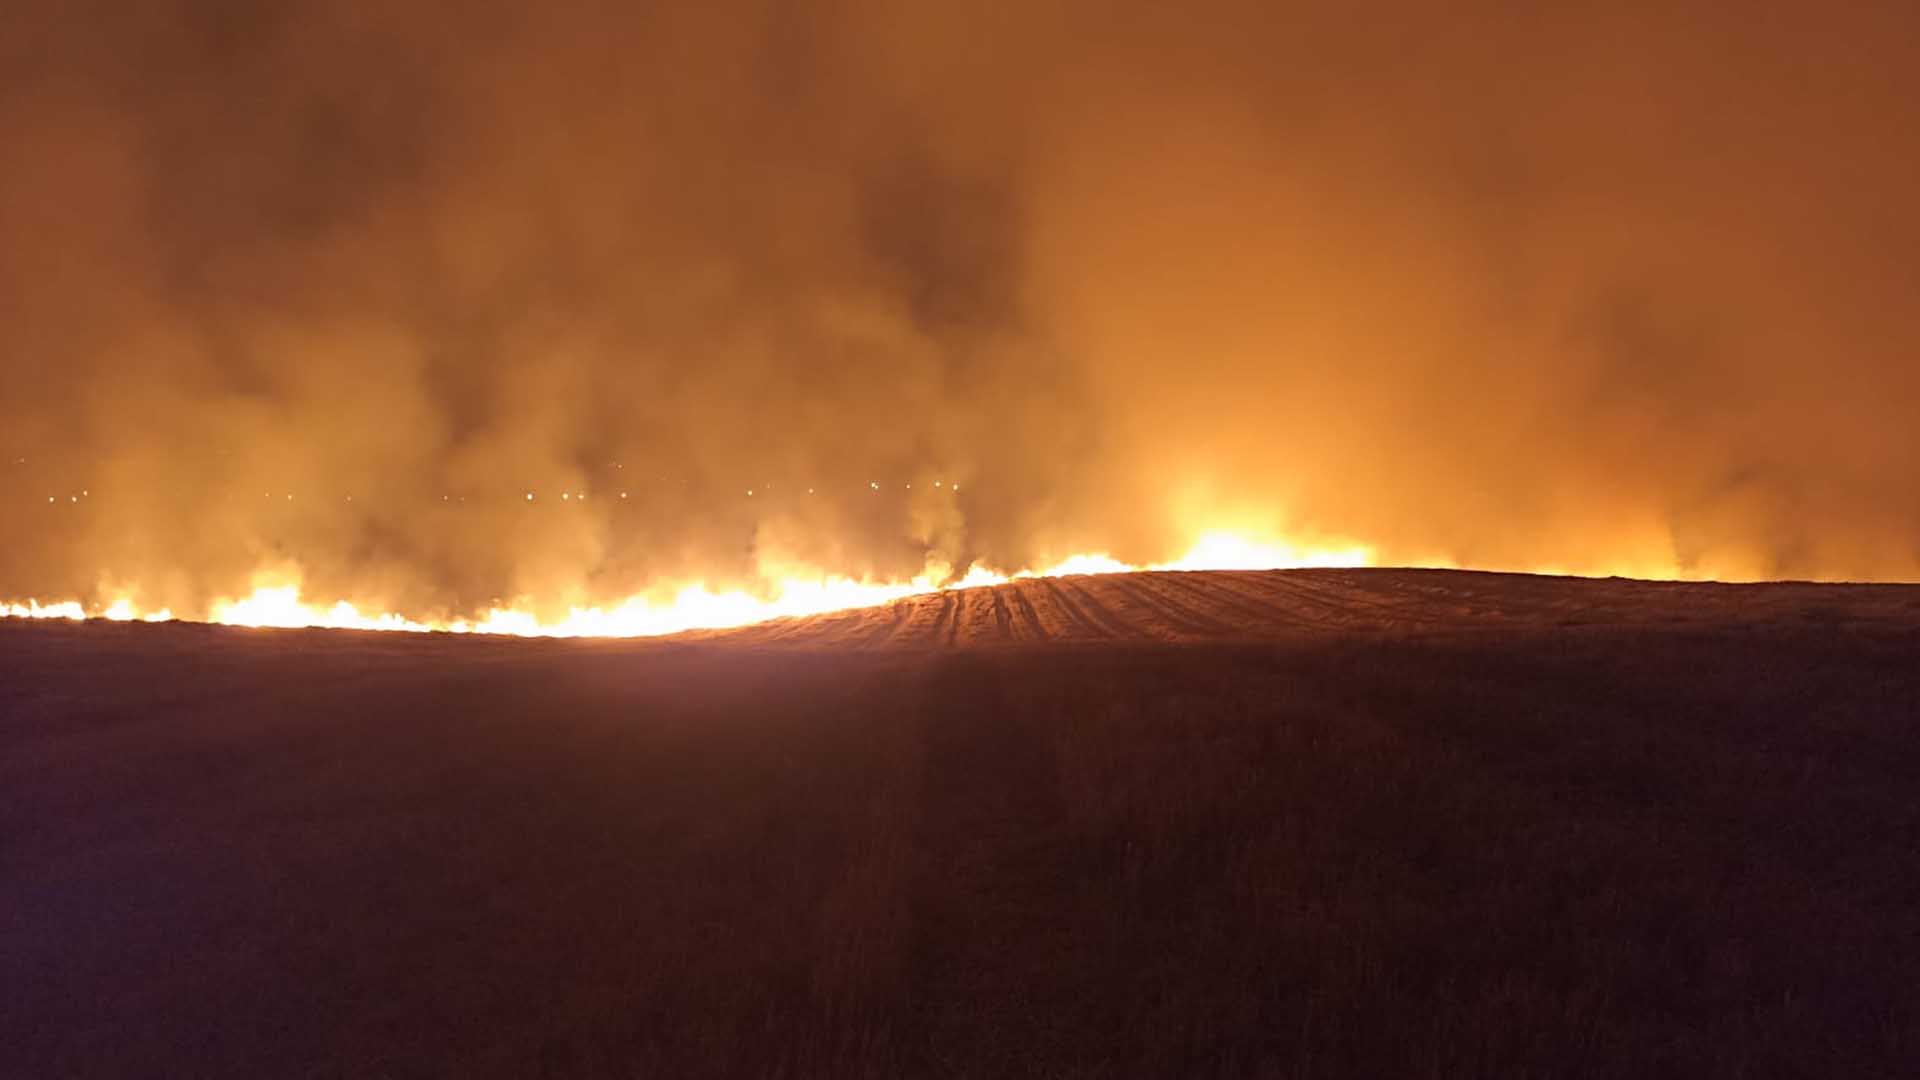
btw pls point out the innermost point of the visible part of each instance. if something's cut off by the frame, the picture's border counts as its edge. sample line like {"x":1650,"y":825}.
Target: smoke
{"x":1579,"y":289}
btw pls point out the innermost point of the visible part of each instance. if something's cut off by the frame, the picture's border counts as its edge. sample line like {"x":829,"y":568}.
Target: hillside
{"x":1224,"y":606}
{"x":1312,"y":824}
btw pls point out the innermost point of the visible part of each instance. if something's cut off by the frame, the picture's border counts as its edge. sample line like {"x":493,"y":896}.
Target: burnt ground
{"x":1342,"y":823}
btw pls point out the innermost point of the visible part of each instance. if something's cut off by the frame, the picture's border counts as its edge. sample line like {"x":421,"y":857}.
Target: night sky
{"x":1510,"y":286}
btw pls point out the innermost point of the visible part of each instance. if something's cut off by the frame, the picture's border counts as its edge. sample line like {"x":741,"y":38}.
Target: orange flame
{"x":276,"y":599}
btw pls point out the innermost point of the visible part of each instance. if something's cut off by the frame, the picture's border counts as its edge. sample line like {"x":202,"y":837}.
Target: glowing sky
{"x":730,"y":286}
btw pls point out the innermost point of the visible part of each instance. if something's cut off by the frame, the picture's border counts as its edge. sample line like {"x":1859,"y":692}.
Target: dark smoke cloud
{"x":1514,"y":288}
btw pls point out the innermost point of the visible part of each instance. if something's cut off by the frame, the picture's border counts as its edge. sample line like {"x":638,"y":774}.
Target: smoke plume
{"x":732,"y":285}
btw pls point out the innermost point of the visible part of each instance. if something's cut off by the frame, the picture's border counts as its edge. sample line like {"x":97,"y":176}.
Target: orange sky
{"x":1514,"y":288}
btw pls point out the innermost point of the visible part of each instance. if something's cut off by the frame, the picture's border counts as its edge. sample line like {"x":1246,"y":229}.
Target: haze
{"x":1614,"y":290}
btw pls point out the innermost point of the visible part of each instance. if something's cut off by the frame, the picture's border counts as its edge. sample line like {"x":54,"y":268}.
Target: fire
{"x":32,"y":609}
{"x":122,"y":610}
{"x":1095,"y":563}
{"x":1226,"y":551}
{"x":276,"y":599}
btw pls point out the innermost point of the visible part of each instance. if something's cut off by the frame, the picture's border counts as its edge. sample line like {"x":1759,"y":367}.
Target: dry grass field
{"x":1302,"y":824}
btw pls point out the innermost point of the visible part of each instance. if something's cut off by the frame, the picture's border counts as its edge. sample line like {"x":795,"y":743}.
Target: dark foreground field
{"x":1342,"y":824}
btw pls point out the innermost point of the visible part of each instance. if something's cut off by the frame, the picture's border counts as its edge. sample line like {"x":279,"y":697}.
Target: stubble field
{"x":1313,"y":823}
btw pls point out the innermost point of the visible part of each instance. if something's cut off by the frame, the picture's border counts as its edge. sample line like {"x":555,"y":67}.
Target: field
{"x":1304,"y":824}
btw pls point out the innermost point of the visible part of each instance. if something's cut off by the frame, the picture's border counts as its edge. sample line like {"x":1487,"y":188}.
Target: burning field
{"x":1307,"y":823}
{"x":917,"y":539}
{"x":633,"y":321}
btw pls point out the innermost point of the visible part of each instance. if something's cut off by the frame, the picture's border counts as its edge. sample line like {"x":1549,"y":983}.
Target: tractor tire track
{"x":1093,"y":628}
{"x":884,"y":632}
{"x":1315,"y":607}
{"x":953,"y":620}
{"x":1151,"y":594}
{"x":1036,"y":630}
{"x":1002,"y":618}
{"x":941,"y":631}
{"x":1263,"y":615}
{"x":1084,"y":594}
{"x":1341,"y":586}
{"x":974,"y":618}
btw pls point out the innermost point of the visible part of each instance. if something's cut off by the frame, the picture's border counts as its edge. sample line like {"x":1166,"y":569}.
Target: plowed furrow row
{"x":1254,"y":612}
{"x":1137,"y":615}
{"x":1314,"y":607}
{"x":1150,"y":595}
{"x":978,"y":618}
{"x":940,"y":631}
{"x":952,"y":627}
{"x":1347,"y":609}
{"x":1106,"y":603}
{"x":1097,"y":626}
{"x":1002,"y":618}
{"x":1026,"y":623}
{"x":886,"y":624}
{"x":1391,"y":602}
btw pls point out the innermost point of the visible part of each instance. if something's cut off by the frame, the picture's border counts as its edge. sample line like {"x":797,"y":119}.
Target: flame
{"x":122,"y":610}
{"x":1086,"y":563}
{"x":32,"y":609}
{"x":276,"y":599}
{"x":1226,"y":551}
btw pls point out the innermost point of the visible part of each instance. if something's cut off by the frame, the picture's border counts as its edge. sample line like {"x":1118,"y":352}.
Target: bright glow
{"x":276,"y":599}
{"x":1089,"y":563}
{"x":1226,"y":551}
{"x":33,"y":609}
{"x":978,"y":576}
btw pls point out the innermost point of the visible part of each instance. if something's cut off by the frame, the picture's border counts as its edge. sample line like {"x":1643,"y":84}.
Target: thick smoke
{"x":1600,"y":289}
